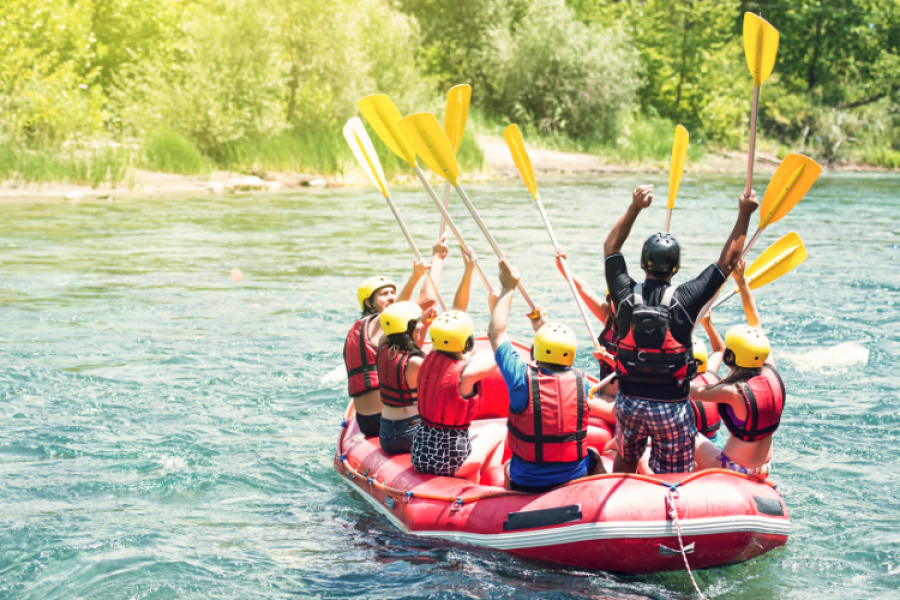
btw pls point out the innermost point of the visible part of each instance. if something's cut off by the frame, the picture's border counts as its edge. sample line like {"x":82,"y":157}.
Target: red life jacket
{"x":648,"y":353}
{"x":764,"y":397}
{"x":359,"y":358}
{"x":440,"y":404}
{"x":392,"y":376}
{"x":706,"y":414}
{"x":553,"y":426}
{"x":607,"y":340}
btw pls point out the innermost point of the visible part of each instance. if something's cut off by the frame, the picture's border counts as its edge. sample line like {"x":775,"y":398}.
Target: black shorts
{"x":369,"y":425}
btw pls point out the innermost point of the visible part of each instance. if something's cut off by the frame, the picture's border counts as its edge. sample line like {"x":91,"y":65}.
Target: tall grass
{"x":307,"y":150}
{"x":170,"y":152}
{"x":107,"y":165}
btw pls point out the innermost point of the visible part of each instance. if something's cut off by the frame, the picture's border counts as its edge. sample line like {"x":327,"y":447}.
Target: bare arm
{"x":481,"y":365}
{"x":509,"y":279}
{"x":428,"y":297}
{"x":407,"y":291}
{"x":595,"y":304}
{"x":641,"y":199}
{"x":461,"y":300}
{"x":412,"y":371}
{"x":719,"y":394}
{"x":750,"y":310}
{"x":714,"y":361}
{"x":734,"y":247}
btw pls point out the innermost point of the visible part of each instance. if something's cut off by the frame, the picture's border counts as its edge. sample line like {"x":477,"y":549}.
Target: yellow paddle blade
{"x":382,"y":115}
{"x":760,"y":47}
{"x":679,"y":155}
{"x":791,"y":181}
{"x":513,"y":138}
{"x":364,"y":151}
{"x":430,"y":142}
{"x":780,"y":258}
{"x":456,"y":114}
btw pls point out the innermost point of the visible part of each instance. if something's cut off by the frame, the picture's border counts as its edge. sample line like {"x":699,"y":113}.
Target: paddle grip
{"x":415,"y":250}
{"x":490,"y":238}
{"x":752,"y":156}
{"x":449,"y":221}
{"x":568,"y":274}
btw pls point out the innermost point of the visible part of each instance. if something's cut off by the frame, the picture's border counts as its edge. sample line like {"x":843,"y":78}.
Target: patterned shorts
{"x":440,"y":451}
{"x":669,"y":425}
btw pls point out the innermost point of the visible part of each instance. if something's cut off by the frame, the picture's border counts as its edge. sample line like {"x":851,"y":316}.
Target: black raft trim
{"x":529,"y":519}
{"x":769,"y":506}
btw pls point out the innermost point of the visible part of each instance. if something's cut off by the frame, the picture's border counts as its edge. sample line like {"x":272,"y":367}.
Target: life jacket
{"x":359,"y":358}
{"x":607,"y":341}
{"x":648,"y":353}
{"x":764,"y":397}
{"x":440,"y":404}
{"x":553,"y":426}
{"x":392,"y":377}
{"x":706,"y":414}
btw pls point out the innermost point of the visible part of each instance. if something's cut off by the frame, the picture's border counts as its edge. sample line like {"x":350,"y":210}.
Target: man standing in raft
{"x":654,"y":360}
{"x":750,"y":399}
{"x":375,"y":294}
{"x":548,"y":409}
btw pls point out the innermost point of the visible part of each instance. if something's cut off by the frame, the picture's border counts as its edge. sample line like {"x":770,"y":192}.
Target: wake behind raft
{"x":615,"y":522}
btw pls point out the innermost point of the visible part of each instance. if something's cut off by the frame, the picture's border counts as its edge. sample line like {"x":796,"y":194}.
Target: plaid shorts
{"x":669,"y":425}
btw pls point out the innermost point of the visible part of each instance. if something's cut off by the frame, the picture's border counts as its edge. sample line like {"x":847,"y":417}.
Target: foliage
{"x":170,"y":152}
{"x":107,"y":165}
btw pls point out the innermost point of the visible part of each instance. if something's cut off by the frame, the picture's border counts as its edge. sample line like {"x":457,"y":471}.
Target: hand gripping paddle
{"x":430,"y":142}
{"x":361,"y":145}
{"x":383,"y":116}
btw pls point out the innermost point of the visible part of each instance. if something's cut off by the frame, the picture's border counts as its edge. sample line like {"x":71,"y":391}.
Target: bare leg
{"x":484,"y":442}
{"x":706,"y":453}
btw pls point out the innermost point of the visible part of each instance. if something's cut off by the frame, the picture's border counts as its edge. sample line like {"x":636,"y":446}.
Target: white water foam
{"x":339,"y":372}
{"x":840,"y":358}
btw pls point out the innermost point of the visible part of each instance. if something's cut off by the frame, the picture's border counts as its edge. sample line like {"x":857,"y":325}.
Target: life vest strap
{"x":547,"y":439}
{"x":362,"y":369}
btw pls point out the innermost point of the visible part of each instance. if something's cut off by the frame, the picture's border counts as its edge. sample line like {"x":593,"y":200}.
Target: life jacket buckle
{"x":640,"y":355}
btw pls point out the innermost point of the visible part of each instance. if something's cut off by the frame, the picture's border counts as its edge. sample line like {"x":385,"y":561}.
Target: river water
{"x":167,"y":432}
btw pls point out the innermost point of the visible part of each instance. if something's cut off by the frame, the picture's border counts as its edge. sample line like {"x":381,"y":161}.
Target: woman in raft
{"x":750,"y":399}
{"x":450,"y":395}
{"x":375,"y":294}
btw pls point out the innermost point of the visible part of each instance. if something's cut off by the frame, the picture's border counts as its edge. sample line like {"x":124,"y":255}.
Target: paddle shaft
{"x":768,"y":267}
{"x":446,"y":206}
{"x":415,"y":250}
{"x":751,"y":158}
{"x":568,"y":275}
{"x":668,"y":219}
{"x":489,"y":238}
{"x":447,"y":219}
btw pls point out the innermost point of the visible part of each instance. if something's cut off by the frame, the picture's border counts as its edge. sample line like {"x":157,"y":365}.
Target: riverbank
{"x":498,"y":165}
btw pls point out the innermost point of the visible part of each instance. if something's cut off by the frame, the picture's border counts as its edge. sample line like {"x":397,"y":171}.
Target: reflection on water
{"x":167,"y":431}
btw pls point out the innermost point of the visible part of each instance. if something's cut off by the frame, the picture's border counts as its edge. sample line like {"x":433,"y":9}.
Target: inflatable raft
{"x":616,"y":522}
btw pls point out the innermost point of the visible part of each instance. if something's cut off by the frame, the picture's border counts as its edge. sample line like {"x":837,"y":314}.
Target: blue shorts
{"x":396,"y":437}
{"x":669,"y":425}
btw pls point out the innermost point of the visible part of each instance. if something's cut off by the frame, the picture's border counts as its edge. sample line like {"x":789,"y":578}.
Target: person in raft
{"x":361,"y":346}
{"x":654,"y":362}
{"x":548,"y":408}
{"x":450,"y":394}
{"x":706,"y":415}
{"x":750,"y":399}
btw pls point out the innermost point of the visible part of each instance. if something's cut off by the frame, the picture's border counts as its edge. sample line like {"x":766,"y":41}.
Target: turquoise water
{"x":166,"y":432}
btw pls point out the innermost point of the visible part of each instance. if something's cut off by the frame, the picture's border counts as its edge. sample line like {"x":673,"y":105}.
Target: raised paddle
{"x":513,"y":138}
{"x":383,"y":116}
{"x":760,"y":50}
{"x":676,"y":170}
{"x":780,"y":258}
{"x":454,"y":124}
{"x":355,"y":133}
{"x":430,"y":142}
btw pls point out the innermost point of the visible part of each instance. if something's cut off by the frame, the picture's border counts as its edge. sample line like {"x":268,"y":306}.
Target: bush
{"x":170,"y":152}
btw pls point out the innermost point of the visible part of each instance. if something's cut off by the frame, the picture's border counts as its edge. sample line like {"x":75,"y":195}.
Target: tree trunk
{"x":811,"y":80}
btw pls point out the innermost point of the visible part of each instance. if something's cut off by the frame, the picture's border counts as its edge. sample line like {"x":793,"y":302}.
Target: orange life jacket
{"x":440,"y":404}
{"x":553,"y":426}
{"x":359,"y":358}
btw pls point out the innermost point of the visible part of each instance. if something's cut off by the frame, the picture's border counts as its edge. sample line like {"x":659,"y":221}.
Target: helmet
{"x":701,"y":355}
{"x":555,"y":343}
{"x":749,"y":345}
{"x":450,"y":331}
{"x":661,"y":255}
{"x":396,"y":317}
{"x":370,"y":286}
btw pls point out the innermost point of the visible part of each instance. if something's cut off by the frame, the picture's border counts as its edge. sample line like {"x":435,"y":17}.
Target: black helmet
{"x":661,"y":255}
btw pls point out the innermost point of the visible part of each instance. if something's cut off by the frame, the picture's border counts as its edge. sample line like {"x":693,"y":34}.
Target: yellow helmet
{"x":396,"y":317}
{"x":555,"y":343}
{"x":749,"y":344}
{"x":370,"y":286}
{"x":701,"y":355}
{"x":450,"y":330}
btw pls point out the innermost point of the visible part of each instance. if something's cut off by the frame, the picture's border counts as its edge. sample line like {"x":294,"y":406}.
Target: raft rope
{"x":673,"y":514}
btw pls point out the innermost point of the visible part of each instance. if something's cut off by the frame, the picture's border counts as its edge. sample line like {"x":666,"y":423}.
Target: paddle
{"x":454,"y":124}
{"x":355,"y":133}
{"x":780,"y":258}
{"x":430,"y":142}
{"x":676,"y":170}
{"x":795,"y":175}
{"x":513,"y":138}
{"x":760,"y":50}
{"x":383,"y":116}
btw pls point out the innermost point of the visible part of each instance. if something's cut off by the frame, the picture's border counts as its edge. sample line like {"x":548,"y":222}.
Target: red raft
{"x":612,"y":522}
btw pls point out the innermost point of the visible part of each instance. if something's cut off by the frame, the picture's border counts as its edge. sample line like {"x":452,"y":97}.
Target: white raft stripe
{"x":593,"y":531}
